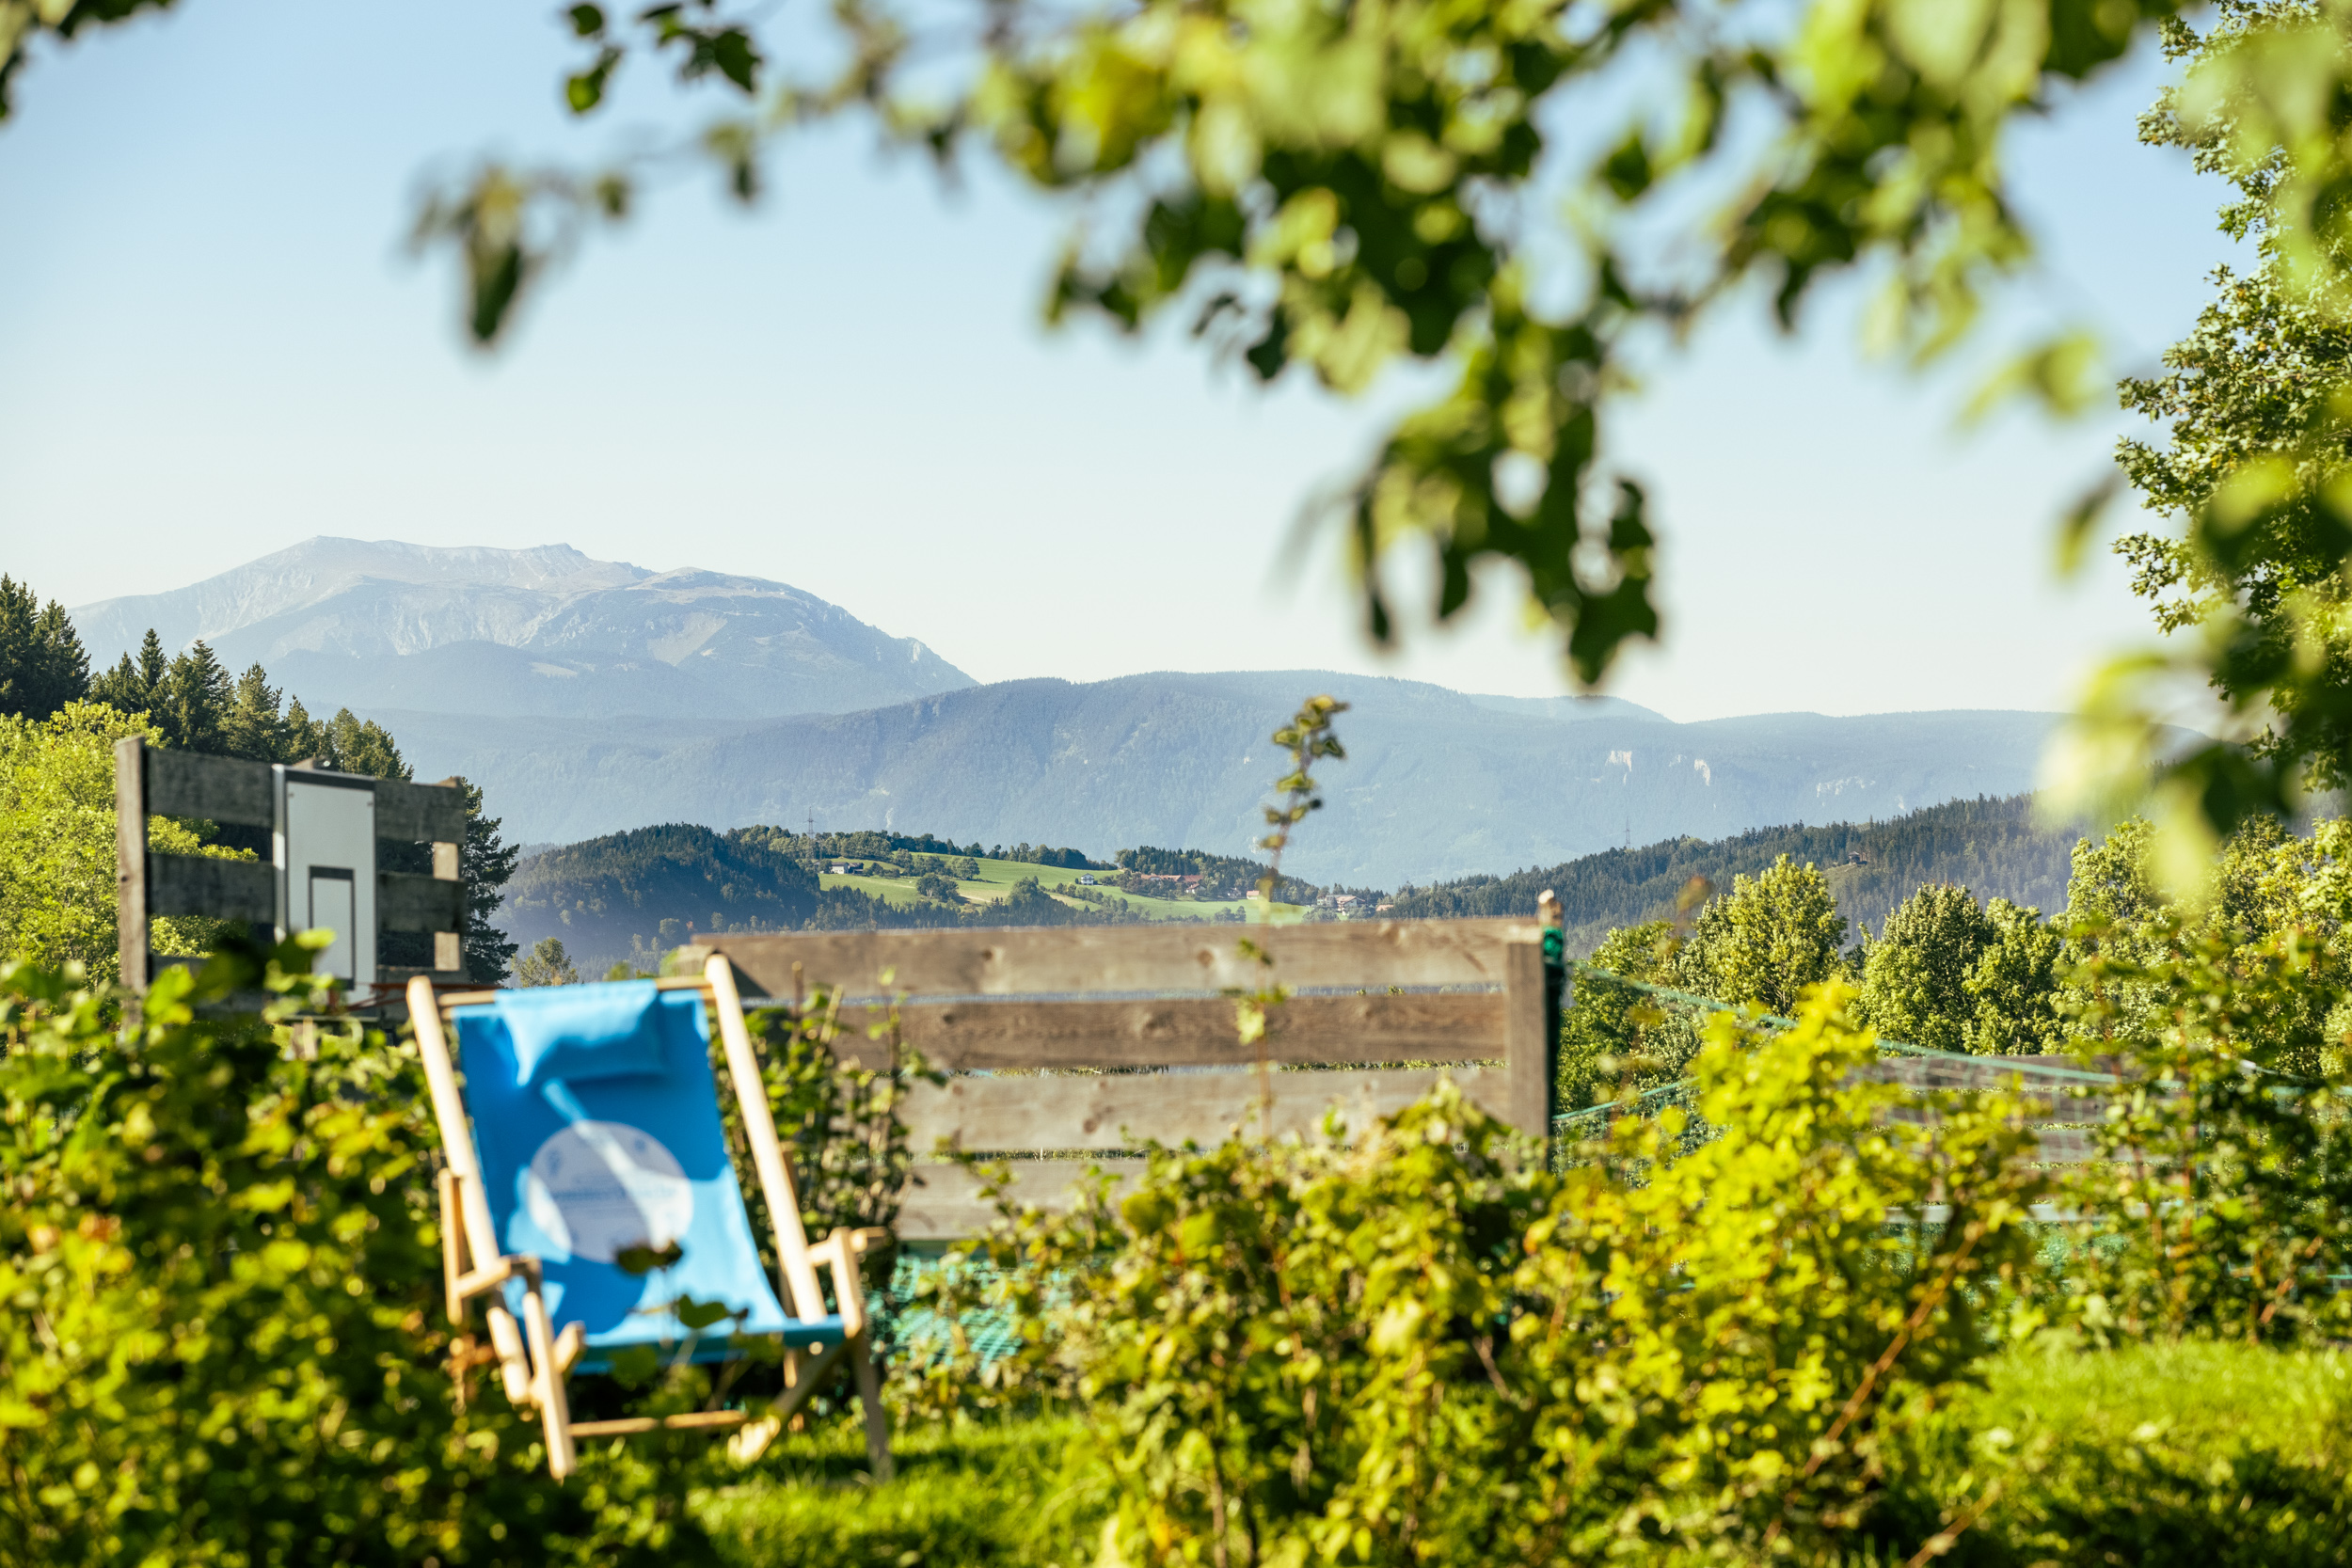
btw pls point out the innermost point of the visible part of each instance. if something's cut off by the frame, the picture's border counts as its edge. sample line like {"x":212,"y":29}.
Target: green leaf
{"x":699,"y":1315}
{"x":641,"y":1259}
{"x":584,"y":91}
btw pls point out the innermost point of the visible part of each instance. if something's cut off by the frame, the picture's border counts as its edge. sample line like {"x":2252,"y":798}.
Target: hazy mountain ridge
{"x":346,"y":622}
{"x":1435,"y":785}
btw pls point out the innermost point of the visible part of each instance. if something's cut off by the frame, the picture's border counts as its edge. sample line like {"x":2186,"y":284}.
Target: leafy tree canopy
{"x":1775,"y":934}
{"x":57,"y":843}
{"x":1914,"y":977}
{"x":1335,"y":189}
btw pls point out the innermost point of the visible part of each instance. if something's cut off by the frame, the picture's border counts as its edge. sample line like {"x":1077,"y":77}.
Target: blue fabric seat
{"x":596,"y":1119}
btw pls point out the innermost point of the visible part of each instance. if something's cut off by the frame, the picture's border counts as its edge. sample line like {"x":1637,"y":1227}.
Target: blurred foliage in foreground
{"x":1749,"y":1327}
{"x":224,"y":1340}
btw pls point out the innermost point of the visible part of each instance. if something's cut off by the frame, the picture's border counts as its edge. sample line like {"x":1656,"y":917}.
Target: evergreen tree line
{"x":1995,"y":846}
{"x":1948,"y":969}
{"x":189,"y":701}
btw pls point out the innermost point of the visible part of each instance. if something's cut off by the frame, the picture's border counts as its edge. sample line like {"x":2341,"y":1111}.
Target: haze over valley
{"x":588,"y":697}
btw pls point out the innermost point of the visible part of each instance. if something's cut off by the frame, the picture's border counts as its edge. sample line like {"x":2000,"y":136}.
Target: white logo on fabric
{"x":597,"y":1187}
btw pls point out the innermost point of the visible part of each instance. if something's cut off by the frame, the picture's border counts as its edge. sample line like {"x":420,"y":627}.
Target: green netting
{"x":904,"y":1323}
{"x":1916,"y":1067}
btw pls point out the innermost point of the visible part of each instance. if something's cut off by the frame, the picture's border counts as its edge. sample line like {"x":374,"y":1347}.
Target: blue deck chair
{"x":590,"y":1193}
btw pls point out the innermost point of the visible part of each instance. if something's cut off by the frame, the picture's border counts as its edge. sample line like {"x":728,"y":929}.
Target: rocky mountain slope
{"x":547,"y":631}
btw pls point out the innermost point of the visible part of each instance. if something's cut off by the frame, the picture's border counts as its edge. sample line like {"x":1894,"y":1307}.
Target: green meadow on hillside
{"x":998,"y":877}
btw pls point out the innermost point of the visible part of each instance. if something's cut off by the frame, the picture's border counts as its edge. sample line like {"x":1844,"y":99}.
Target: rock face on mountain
{"x":1436,"y":784}
{"x":546,"y":631}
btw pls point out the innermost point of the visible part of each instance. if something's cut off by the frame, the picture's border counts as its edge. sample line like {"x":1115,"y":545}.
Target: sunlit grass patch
{"x":975,"y":1493}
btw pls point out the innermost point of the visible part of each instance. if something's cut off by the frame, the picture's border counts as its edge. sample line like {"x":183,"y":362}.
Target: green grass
{"x":2201,"y":1454}
{"x":2164,"y":1456}
{"x":972,"y":1494}
{"x":997,"y":878}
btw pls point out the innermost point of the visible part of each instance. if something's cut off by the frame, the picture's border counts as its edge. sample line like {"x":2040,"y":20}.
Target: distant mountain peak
{"x":557,"y":568}
{"x":547,"y":630}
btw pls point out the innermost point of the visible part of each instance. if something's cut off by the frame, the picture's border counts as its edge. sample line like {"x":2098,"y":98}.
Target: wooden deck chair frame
{"x":533,"y":1359}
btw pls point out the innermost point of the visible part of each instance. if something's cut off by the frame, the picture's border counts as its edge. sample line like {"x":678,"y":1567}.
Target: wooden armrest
{"x":836,"y":1251}
{"x":490,"y":1275}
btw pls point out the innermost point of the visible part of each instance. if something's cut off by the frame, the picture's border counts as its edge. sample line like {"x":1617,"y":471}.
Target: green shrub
{"x":1425,"y":1346}
{"x":222,"y":1341}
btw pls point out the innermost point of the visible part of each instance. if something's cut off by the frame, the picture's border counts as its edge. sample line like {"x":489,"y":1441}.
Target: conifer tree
{"x":134,"y":685}
{"x":354,"y":745}
{"x":42,"y":666}
{"x":253,"y":726}
{"x":196,"y":699}
{"x":153,"y":666}
{"x":119,"y":688}
{"x":486,"y":862}
{"x":305,"y":736}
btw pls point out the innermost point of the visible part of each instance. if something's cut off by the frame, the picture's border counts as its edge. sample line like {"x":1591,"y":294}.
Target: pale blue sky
{"x":212,"y":345}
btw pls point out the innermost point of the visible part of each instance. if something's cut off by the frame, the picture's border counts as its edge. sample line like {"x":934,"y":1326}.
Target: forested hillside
{"x":1996,"y":847}
{"x":629,"y":897}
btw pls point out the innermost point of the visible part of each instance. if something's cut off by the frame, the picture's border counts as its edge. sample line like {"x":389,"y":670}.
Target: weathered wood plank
{"x":223,"y":789}
{"x":407,"y":902}
{"x":963,"y":1037}
{"x":1527,"y":1037}
{"x":227,"y":890}
{"x":1151,"y":959}
{"x":942,"y":1203}
{"x":422,"y":814}
{"x":1122,"y":1110}
{"x":392,"y":975}
{"x":131,"y":862}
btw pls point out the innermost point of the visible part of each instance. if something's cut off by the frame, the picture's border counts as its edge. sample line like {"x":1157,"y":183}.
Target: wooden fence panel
{"x":407,"y":902}
{"x":221,"y":789}
{"x":966,"y":1037}
{"x":942,"y":1203}
{"x":1122,"y":1109}
{"x":1153,"y":960}
{"x":199,"y":884}
{"x":1120,"y":998}
{"x":421,"y":813}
